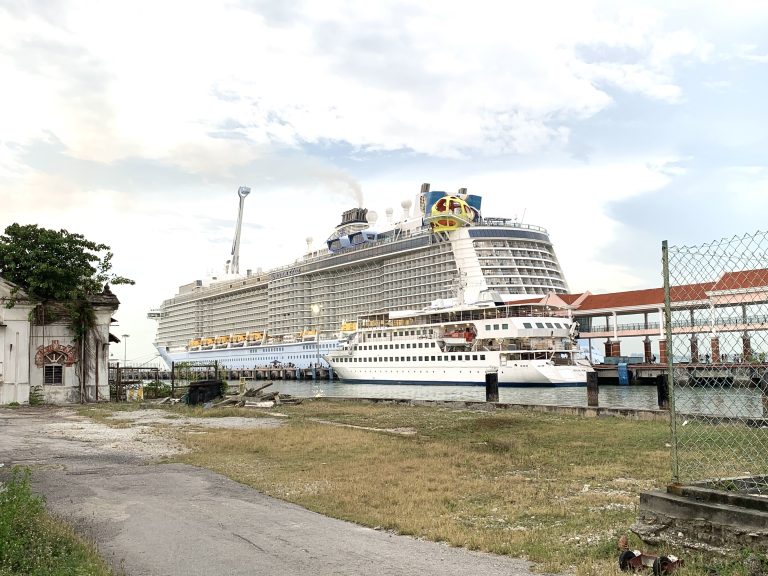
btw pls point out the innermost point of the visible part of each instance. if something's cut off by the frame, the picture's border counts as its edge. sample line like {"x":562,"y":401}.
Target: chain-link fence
{"x":716,"y":314}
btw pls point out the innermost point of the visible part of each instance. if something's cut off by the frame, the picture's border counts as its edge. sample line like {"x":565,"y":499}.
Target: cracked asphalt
{"x":149,"y":518}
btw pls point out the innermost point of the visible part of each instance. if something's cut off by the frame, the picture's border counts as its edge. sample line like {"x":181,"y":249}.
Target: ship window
{"x":487,"y":326}
{"x":407,"y":358}
{"x":453,"y":357}
{"x":527,"y":325}
{"x":504,"y":326}
{"x":397,"y":346}
{"x":549,"y":325}
{"x":482,"y":356}
{"x":420,"y":346}
{"x":433,"y":358}
{"x":474,"y":356}
{"x":495,"y":326}
{"x":539,"y":325}
{"x":421,"y":358}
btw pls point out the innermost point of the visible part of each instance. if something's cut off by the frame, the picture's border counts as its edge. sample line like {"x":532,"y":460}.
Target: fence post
{"x":662,"y":391}
{"x":173,"y":381}
{"x":491,"y":386}
{"x":592,"y":389}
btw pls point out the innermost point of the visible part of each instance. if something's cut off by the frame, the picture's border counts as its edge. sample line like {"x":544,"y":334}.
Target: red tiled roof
{"x":569,"y":298}
{"x":648,"y":297}
{"x":654,"y":297}
{"x":742,"y":279}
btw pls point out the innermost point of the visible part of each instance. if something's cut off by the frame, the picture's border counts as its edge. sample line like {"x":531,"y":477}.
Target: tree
{"x":55,"y":265}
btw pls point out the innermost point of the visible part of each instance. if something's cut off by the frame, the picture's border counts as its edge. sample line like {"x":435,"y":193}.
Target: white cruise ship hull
{"x":296,"y":354}
{"x":472,"y":373}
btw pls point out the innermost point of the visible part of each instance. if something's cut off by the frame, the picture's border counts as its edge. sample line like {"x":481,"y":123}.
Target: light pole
{"x":316,"y":309}
{"x":125,"y":349}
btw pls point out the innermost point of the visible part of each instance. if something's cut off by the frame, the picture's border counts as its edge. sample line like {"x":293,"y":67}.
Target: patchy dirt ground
{"x":149,"y":518}
{"x":143,"y":433}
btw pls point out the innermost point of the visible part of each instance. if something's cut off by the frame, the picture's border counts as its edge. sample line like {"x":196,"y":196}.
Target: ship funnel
{"x":372,"y":217}
{"x":462,"y":191}
{"x":423,"y":199}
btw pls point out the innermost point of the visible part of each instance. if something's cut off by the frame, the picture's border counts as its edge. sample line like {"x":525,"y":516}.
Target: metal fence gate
{"x":184,"y":373}
{"x":716,"y":315}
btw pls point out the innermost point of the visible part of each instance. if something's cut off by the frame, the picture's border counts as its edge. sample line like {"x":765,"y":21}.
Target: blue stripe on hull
{"x":478,"y":384}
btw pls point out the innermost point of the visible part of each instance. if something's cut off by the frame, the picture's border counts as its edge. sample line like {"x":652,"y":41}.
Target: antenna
{"x":242,"y":192}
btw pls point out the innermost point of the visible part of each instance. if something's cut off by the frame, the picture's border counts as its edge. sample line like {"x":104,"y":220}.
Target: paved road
{"x":172,"y":519}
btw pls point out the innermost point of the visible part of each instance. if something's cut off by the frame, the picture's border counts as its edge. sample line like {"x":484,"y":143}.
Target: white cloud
{"x":203,"y":93}
{"x":145,"y":79}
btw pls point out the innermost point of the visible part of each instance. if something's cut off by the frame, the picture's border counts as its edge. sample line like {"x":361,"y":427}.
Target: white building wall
{"x":14,"y":353}
{"x":55,"y":337}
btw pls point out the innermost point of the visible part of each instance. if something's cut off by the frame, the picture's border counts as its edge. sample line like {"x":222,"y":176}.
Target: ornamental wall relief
{"x":55,"y":353}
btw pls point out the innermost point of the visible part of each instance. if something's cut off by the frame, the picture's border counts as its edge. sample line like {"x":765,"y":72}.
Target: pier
{"x":137,"y":374}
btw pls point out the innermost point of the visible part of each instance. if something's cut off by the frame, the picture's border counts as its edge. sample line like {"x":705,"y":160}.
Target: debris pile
{"x":256,"y":398}
{"x":636,"y":561}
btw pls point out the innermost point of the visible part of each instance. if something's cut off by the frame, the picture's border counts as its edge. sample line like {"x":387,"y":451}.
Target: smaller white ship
{"x":526,"y":342}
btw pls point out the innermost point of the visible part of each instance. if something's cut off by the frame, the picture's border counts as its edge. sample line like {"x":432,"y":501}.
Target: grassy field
{"x":558,"y":490}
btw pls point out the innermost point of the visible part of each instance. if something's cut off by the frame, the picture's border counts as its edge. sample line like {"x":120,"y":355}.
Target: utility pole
{"x":125,"y":349}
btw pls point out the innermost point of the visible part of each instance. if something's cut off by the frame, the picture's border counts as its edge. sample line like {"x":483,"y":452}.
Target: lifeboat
{"x":207,"y":343}
{"x":221,"y":342}
{"x":254,"y":338}
{"x":348,"y":326}
{"x":309,"y":335}
{"x":459,"y":337}
{"x":194,"y":344}
{"x":237,"y":341}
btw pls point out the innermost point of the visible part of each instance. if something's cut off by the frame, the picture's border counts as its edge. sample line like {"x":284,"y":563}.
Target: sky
{"x":615,"y":125}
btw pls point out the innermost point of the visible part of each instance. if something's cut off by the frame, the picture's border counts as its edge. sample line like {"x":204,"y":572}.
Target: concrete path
{"x":171,"y":519}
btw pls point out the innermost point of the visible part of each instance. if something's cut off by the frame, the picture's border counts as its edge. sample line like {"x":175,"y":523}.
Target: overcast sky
{"x":615,"y":125}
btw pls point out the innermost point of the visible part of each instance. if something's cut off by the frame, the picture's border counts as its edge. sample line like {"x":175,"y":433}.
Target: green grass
{"x":32,"y":543}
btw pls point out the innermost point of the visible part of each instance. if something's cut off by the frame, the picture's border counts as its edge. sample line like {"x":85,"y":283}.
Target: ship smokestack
{"x":423,"y":199}
{"x":462,"y":191}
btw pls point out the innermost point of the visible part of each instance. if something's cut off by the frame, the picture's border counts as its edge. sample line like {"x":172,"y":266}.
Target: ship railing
{"x":510,"y":223}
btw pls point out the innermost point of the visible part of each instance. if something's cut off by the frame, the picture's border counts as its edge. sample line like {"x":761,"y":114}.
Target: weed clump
{"x":34,"y":544}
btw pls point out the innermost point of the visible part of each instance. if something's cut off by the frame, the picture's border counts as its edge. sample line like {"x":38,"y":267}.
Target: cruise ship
{"x":525,"y":343}
{"x":441,"y":248}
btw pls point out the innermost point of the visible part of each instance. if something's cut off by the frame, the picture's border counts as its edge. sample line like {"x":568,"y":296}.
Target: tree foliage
{"x":55,"y":265}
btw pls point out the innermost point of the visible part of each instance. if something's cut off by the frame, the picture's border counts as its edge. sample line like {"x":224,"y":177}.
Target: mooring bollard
{"x":491,"y":386}
{"x":592,"y":389}
{"x":662,"y":391}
